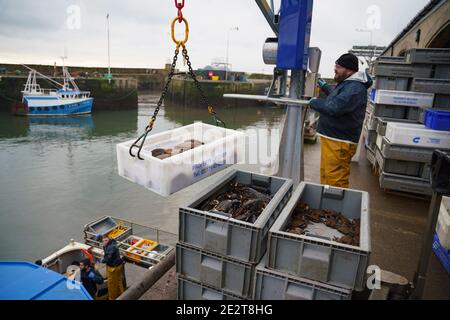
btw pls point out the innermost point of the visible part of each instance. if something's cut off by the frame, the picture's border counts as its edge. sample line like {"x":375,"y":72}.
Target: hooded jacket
{"x":112,"y":255}
{"x":342,"y":113}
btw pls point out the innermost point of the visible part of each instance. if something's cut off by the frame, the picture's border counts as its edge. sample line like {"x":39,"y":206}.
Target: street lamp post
{"x":228,"y":47}
{"x":371,"y":41}
{"x":109,"y":57}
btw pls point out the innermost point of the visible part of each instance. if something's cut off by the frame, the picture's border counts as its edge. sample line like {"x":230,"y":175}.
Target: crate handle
{"x":333,"y":193}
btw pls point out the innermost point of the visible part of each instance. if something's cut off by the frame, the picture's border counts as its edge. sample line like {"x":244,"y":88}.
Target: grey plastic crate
{"x":405,"y":168}
{"x":192,"y":290}
{"x":227,"y":236}
{"x":383,"y":121}
{"x":442,"y":71}
{"x":391,"y":59}
{"x":442,"y":101}
{"x":430,"y":56}
{"x":273,"y":285}
{"x":371,"y":157}
{"x":317,"y":257}
{"x":404,"y":184}
{"x":372,"y":122}
{"x":390,"y":151}
{"x":391,"y":83}
{"x":214,"y":270}
{"x":395,"y":112}
{"x":371,"y":137}
{"x":403,"y":70}
{"x":441,"y":86}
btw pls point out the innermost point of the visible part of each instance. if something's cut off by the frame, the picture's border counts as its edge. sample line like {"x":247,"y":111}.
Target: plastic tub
{"x":391,"y":83}
{"x":417,"y":135}
{"x":398,"y":69}
{"x":405,"y":184}
{"x":318,"y":257}
{"x":437,"y":120}
{"x":391,"y":151}
{"x":428,"y":56}
{"x":141,"y":248}
{"x":193,"y":290}
{"x":222,"y":147}
{"x":402,"y":98}
{"x":219,"y":272}
{"x":228,"y":236}
{"x":443,"y":226}
{"x":442,"y":254}
{"x":441,"y":86}
{"x":273,"y":285}
{"x":405,"y":168}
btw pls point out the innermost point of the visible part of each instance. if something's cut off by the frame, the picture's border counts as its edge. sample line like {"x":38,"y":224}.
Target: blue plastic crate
{"x":442,"y":254}
{"x":437,"y":119}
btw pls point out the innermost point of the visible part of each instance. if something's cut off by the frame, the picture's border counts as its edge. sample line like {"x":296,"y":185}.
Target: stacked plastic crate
{"x":408,"y":91}
{"x":314,"y":265}
{"x":441,"y":244}
{"x":217,"y":254}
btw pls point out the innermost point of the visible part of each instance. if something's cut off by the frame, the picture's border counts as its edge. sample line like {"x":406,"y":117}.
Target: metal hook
{"x":219,"y":121}
{"x":136,"y":145}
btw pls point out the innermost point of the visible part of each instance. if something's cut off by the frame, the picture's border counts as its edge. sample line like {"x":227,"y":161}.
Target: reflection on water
{"x":57,"y":174}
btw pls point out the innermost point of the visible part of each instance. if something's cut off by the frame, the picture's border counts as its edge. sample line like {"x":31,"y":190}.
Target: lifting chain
{"x":139,"y":142}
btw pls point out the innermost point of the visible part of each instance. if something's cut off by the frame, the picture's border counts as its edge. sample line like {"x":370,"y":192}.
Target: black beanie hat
{"x":349,"y":61}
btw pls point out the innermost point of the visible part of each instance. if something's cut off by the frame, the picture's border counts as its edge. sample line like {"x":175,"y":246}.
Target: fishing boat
{"x":67,"y":100}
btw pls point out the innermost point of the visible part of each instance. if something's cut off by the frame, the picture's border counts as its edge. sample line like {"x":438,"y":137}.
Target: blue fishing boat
{"x":65,"y":101}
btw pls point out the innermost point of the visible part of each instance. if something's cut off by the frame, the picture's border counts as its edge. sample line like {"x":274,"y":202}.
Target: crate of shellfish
{"x":175,"y":159}
{"x":323,"y":234}
{"x":233,"y":217}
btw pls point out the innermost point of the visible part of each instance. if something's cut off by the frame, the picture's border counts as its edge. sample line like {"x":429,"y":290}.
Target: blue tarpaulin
{"x":28,"y":281}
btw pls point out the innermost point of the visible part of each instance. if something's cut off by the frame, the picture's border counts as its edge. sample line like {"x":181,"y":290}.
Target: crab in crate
{"x":239,"y":201}
{"x":180,"y":148}
{"x":303,"y":216}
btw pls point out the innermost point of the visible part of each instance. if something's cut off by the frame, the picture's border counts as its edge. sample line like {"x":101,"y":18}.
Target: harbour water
{"x":57,"y":174}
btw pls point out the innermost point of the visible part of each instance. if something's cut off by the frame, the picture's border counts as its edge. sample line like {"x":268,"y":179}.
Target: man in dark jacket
{"x":114,"y":268}
{"x":342,"y":115}
{"x":90,"y":277}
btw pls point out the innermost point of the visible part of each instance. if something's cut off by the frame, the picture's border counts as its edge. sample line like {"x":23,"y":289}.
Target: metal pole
{"x":109,"y":58}
{"x":149,"y":278}
{"x":291,"y":146}
{"x":228,"y":45}
{"x":228,"y":48}
{"x":420,"y":276}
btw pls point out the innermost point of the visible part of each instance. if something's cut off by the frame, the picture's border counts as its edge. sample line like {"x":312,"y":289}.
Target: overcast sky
{"x":42,"y":31}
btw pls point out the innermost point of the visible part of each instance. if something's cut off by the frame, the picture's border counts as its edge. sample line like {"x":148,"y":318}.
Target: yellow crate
{"x":140,"y":248}
{"x":117,"y":231}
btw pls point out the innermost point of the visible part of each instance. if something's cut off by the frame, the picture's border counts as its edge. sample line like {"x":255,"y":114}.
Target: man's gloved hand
{"x":312,"y":99}
{"x":322,"y":83}
{"x":91,"y":275}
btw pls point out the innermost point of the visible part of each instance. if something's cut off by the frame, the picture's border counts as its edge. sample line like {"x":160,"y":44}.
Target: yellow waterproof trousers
{"x":335,"y":162}
{"x":115,"y":277}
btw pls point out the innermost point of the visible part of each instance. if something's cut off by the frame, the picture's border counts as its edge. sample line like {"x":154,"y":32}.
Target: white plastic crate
{"x":443,"y":225}
{"x":417,"y":135}
{"x":222,"y":147}
{"x":402,"y":98}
